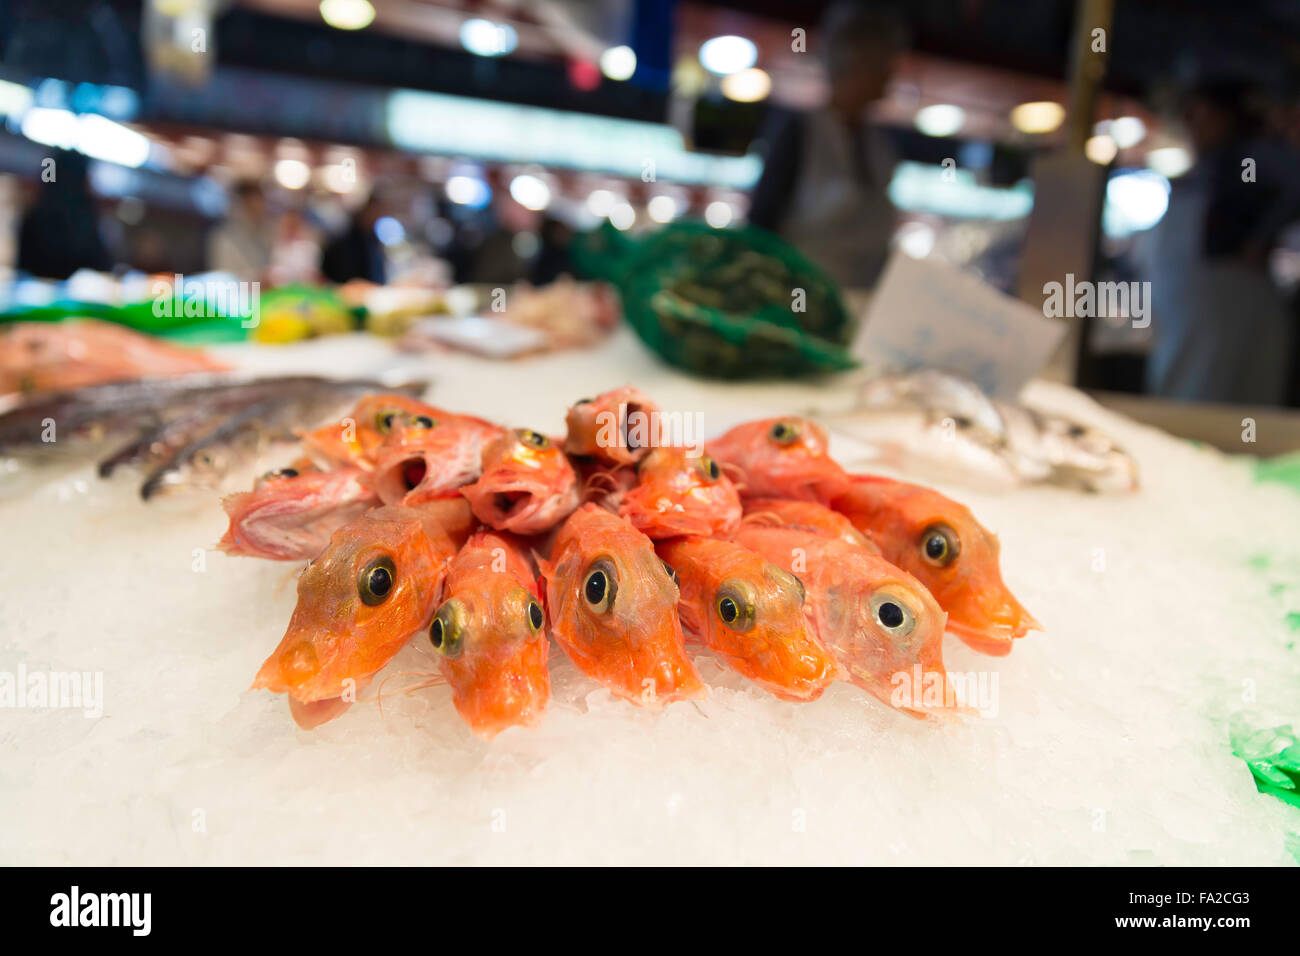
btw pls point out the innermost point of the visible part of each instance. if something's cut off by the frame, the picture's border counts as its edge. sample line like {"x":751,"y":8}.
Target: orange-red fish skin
{"x":846,"y":587}
{"x":616,"y":427}
{"x":901,"y":517}
{"x":772,"y":643}
{"x":335,"y":639}
{"x":527,"y":484}
{"x":498,"y":671}
{"x":781,"y":458}
{"x":355,"y":438}
{"x":678,"y":493}
{"x":291,"y":517}
{"x":805,"y":516}
{"x":417,"y":463}
{"x":632,"y":642}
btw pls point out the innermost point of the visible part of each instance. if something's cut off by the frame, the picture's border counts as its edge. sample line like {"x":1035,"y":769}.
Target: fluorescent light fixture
{"x":1040,"y":116}
{"x":530,"y":192}
{"x":497,"y":132}
{"x":347,"y":14}
{"x":662,"y":208}
{"x":929,"y":188}
{"x":719,"y":214}
{"x":618,"y":62}
{"x":1101,"y":149}
{"x":728,"y":54}
{"x":622,"y":216}
{"x":485,"y":38}
{"x":747,"y":86}
{"x":1170,"y":161}
{"x":292,"y":173}
{"x":51,"y":127}
{"x":468,"y":191}
{"x":940,"y":119}
{"x":101,"y":138}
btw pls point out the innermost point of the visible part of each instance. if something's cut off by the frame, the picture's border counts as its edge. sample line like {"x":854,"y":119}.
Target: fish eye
{"x":376,"y":580}
{"x":282,"y":473}
{"x":600,"y":586}
{"x":384,"y":420}
{"x":735,"y":605}
{"x":584,"y":401}
{"x":447,"y":632}
{"x":940,"y":544}
{"x":709,"y":468}
{"x":784,"y":433}
{"x":422,"y":421}
{"x":672,"y":573}
{"x":535,"y":616}
{"x":534,"y":439}
{"x":893,"y":614}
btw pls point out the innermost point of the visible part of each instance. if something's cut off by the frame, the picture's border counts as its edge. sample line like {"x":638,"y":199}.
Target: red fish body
{"x":805,"y":516}
{"x":781,"y":458}
{"x":939,"y":542}
{"x":355,"y":438}
{"x":376,"y":584}
{"x":291,"y":514}
{"x":681,"y":494}
{"x":490,"y":636}
{"x":749,"y":612}
{"x":527,"y":485}
{"x":427,"y":457}
{"x":879,"y":622}
{"x":617,"y":428}
{"x":613,"y":609}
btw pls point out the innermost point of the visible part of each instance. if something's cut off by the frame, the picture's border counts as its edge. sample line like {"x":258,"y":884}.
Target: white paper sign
{"x":926,"y":313}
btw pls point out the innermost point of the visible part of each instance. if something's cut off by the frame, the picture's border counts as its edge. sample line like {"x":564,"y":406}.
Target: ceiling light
{"x":485,"y":38}
{"x":530,"y":192}
{"x":1041,"y":116}
{"x":747,"y":86}
{"x":718,"y":214}
{"x":292,"y":173}
{"x":1170,"y":161}
{"x":618,"y":62}
{"x":347,"y":14}
{"x":940,"y":119}
{"x":1100,"y":149}
{"x":728,"y":54}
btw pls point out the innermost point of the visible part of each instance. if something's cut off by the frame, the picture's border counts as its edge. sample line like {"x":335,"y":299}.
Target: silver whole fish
{"x":947,"y":426}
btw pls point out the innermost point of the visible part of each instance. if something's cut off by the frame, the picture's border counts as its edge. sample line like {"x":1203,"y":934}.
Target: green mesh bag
{"x":723,"y":302}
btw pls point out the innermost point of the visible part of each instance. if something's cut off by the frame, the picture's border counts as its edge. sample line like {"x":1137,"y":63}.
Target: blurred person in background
{"x":59,"y":233}
{"x":241,"y":244}
{"x":295,"y":251}
{"x":825,"y":171}
{"x":357,"y":252}
{"x":552,"y":260}
{"x":1220,"y":327}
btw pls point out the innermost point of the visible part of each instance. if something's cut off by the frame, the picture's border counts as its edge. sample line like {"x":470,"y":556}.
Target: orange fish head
{"x":952,"y":554}
{"x":678,"y":493}
{"x":425,"y":457}
{"x":757,"y":620}
{"x":617,"y":426}
{"x":782,"y":458}
{"x":615,"y":615}
{"x":527,"y":485}
{"x":356,"y":437}
{"x":358,"y":602}
{"x":492,"y":649}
